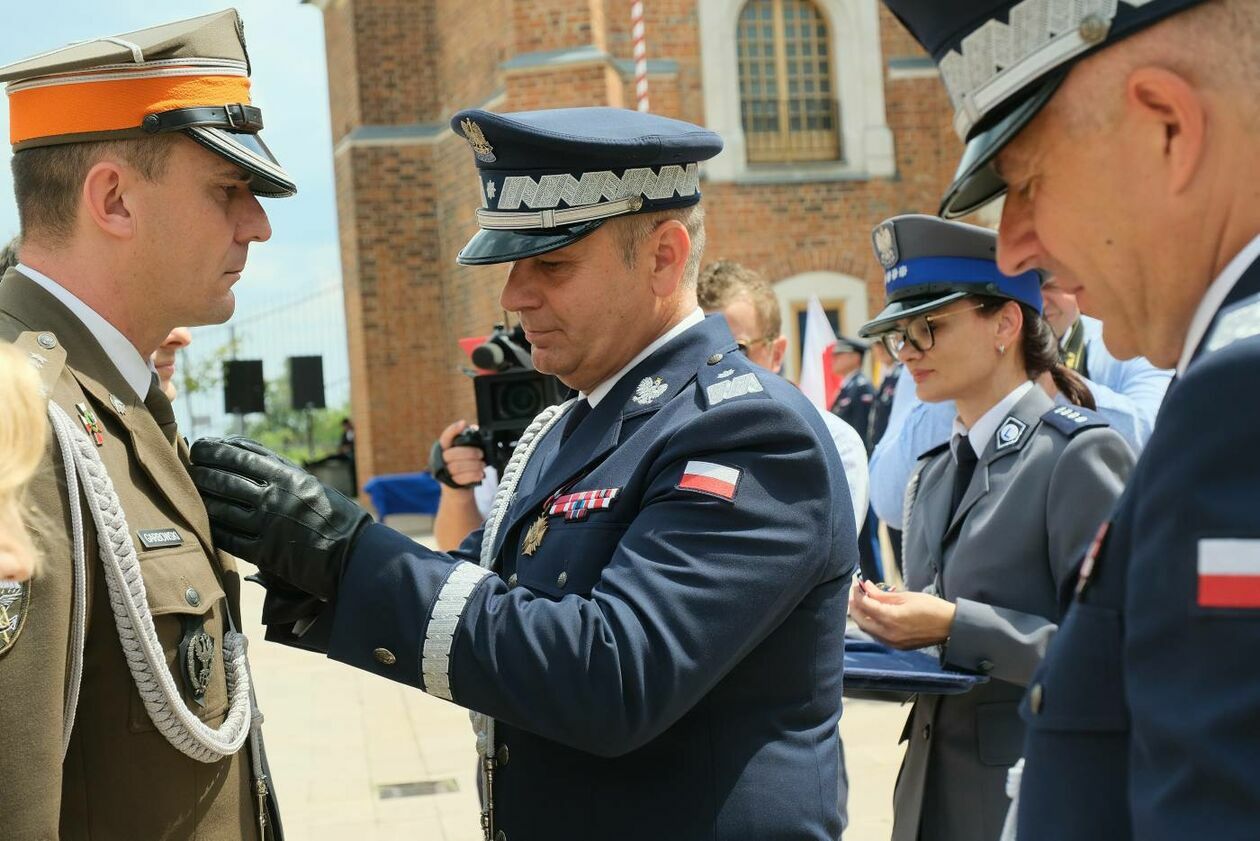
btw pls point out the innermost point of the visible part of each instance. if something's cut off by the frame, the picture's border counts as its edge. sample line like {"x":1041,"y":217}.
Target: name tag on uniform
{"x":159,"y":538}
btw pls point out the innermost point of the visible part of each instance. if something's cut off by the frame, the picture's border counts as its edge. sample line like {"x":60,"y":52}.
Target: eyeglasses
{"x":918,"y":333}
{"x":746,"y":344}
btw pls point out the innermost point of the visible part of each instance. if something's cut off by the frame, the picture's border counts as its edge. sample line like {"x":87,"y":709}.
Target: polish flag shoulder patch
{"x":713,"y":479}
{"x":1229,"y":573}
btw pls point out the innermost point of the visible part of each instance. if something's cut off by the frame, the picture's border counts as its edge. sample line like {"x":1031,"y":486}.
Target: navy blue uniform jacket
{"x":670,"y":666}
{"x":1144,"y":719}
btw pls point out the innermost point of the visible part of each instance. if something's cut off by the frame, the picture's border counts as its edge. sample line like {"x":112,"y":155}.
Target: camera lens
{"x":518,"y":400}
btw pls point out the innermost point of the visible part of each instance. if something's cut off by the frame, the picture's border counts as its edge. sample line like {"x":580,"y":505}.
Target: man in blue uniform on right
{"x":1124,"y":137}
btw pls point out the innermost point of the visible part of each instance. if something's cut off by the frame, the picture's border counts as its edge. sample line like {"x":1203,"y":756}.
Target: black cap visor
{"x":909,"y":308}
{"x":976,"y":183}
{"x":268,"y":178}
{"x":488,"y":247}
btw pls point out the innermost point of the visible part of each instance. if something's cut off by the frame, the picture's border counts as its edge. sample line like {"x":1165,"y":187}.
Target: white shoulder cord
{"x":78,"y":623}
{"x":483,"y":725}
{"x":145,"y":655}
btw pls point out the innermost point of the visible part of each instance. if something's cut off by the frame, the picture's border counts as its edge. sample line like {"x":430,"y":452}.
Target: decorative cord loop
{"x":145,"y":655}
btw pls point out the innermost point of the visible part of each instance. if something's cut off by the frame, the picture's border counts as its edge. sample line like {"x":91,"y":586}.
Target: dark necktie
{"x":576,"y":415}
{"x":965,"y":467}
{"x":160,"y":408}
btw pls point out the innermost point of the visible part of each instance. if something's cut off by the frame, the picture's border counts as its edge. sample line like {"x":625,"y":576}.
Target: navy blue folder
{"x":873,"y":670}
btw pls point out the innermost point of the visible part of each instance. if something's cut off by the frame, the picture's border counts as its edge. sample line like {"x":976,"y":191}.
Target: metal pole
{"x":640,"y":55}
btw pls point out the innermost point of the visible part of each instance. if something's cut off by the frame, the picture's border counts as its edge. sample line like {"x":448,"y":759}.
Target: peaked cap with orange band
{"x":190,"y":76}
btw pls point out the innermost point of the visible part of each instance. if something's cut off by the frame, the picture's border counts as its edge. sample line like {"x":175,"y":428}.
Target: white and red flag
{"x":709,"y":478}
{"x":818,"y":383}
{"x":1229,"y":573}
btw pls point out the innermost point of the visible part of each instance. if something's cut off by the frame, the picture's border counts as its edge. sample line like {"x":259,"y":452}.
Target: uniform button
{"x":512,"y":580}
{"x":192,"y":597}
{"x":715,"y":359}
{"x":501,"y":755}
{"x":46,"y":340}
{"x":384,"y":655}
{"x":927,"y":732}
{"x":1035,"y":697}
{"x":1093,"y":29}
{"x":562,"y":580}
{"x":500,"y":836}
{"x":986,"y":665}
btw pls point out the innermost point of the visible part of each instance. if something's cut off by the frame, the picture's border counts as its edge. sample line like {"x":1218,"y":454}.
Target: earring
{"x":1001,"y":349}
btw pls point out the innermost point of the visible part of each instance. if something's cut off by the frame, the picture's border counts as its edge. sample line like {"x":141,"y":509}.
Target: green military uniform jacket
{"x":120,"y":778}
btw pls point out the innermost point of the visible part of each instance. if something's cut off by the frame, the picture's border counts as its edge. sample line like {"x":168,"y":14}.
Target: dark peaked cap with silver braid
{"x":1002,"y":61}
{"x":549,"y":178}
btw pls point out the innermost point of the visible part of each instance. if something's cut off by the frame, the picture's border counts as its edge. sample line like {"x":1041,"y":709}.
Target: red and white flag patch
{"x":712,"y":479}
{"x":1229,"y":573}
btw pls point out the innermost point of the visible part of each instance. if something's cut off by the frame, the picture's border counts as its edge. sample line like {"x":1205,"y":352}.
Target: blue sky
{"x":290,"y":84}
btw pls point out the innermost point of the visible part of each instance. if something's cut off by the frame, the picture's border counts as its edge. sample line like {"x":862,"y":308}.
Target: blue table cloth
{"x":403,"y":493}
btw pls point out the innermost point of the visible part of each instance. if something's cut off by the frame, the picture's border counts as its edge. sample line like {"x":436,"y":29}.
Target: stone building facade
{"x":878,"y":142}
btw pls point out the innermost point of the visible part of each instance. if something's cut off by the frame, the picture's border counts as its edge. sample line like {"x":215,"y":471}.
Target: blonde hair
{"x":23,"y":434}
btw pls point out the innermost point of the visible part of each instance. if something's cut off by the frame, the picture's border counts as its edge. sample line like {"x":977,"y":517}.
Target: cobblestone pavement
{"x":359,"y":758}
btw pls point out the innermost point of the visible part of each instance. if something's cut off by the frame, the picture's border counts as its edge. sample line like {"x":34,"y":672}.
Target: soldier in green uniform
{"x":125,"y":698}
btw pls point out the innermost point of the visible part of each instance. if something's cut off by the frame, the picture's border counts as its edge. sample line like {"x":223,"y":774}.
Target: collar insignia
{"x":15,"y":598}
{"x":648,"y":390}
{"x":726,"y":373}
{"x":1009,"y":433}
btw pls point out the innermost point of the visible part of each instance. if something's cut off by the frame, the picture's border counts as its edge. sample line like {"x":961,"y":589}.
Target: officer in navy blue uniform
{"x":856,"y":397}
{"x":1123,"y":131}
{"x":650,"y":626}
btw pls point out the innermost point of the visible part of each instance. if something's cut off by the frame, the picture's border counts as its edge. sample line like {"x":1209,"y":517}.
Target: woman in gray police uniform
{"x":997,"y":519}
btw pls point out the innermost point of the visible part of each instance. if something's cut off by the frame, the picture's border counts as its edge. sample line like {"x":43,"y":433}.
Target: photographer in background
{"x":462,"y":510}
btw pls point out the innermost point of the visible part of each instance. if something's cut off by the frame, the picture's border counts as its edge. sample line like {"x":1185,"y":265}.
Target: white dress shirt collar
{"x":1216,"y":295}
{"x":136,"y":370}
{"x":983,"y":430}
{"x":600,"y":391}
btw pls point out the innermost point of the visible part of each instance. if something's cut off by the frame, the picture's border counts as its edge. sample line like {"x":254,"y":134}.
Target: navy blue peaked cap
{"x":930,"y":262}
{"x":1002,"y":61}
{"x":549,"y":178}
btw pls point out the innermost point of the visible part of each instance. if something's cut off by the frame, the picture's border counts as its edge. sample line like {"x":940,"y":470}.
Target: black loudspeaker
{"x":306,"y":381}
{"x":243,"y":386}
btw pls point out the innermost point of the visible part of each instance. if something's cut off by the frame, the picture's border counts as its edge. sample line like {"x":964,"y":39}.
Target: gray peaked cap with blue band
{"x":930,"y":262}
{"x":549,"y":178}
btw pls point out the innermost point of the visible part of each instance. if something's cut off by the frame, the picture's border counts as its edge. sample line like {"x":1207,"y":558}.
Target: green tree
{"x":285,"y":430}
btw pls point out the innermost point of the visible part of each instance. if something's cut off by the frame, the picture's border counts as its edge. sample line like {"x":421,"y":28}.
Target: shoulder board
{"x":1239,"y":321}
{"x":45,"y":354}
{"x":720,"y":383}
{"x":1072,"y":419}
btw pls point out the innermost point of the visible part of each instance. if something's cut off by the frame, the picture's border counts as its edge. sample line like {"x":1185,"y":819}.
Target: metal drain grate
{"x":420,"y":788}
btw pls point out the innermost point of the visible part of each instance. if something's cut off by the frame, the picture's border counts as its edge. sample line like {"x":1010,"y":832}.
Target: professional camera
{"x":508,"y":398}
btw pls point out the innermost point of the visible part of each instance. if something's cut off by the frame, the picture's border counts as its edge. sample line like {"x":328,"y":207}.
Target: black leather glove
{"x":267,"y":510}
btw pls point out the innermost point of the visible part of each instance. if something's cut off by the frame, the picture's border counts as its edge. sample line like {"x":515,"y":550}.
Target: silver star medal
{"x":648,"y":390}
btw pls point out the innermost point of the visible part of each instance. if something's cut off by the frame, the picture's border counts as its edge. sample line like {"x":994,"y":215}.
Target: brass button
{"x":512,"y":580}
{"x":986,"y":665}
{"x":46,"y":340}
{"x":385,"y":656}
{"x":562,"y":580}
{"x":1036,"y":696}
{"x":501,"y":755}
{"x":500,"y":836}
{"x":927,"y":731}
{"x":715,"y":359}
{"x":192,"y":597}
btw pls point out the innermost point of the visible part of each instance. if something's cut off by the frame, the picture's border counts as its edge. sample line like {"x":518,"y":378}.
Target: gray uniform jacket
{"x":1039,"y":492}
